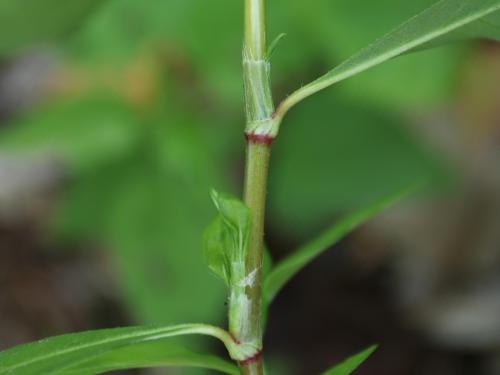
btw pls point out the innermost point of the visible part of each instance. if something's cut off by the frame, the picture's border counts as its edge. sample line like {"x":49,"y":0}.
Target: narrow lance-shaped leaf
{"x":445,"y":21}
{"x":288,"y":267}
{"x":152,"y":354}
{"x":57,"y":354}
{"x":350,"y":364}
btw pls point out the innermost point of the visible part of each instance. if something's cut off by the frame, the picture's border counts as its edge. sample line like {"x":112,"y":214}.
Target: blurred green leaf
{"x":322,"y":31}
{"x":58,"y":354}
{"x":24,"y":22}
{"x":155,"y":226}
{"x":82,"y":133}
{"x":174,"y":30}
{"x":150,"y":207}
{"x":267,"y":263}
{"x":267,"y":266}
{"x":438,"y":21}
{"x":292,"y":264}
{"x":83,"y":207}
{"x":398,"y":84}
{"x":151,"y":354}
{"x":352,"y":363}
{"x":359,"y":146}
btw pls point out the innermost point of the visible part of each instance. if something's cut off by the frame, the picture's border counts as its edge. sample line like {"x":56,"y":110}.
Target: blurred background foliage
{"x":137,"y":108}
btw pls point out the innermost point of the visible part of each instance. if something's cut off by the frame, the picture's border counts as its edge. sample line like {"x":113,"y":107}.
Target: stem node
{"x":263,"y":139}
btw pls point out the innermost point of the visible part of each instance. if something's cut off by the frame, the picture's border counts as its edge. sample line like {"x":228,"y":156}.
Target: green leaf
{"x":216,"y":242}
{"x":267,"y":264}
{"x":148,"y":211}
{"x":226,"y":239}
{"x":335,"y":30}
{"x":23,"y":22}
{"x":288,"y":267}
{"x":233,"y":213}
{"x":174,"y":29}
{"x":154,"y":223}
{"x":361,"y":146}
{"x":446,"y":20}
{"x":82,"y":133}
{"x":225,"y":248}
{"x":352,"y":363}
{"x":152,"y":354}
{"x":57,"y":354}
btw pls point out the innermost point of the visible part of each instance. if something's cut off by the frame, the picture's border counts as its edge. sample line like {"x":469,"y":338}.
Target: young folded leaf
{"x":215,"y":242}
{"x":59,"y":354}
{"x":225,"y":247}
{"x":288,"y":267}
{"x":352,"y":363}
{"x":226,"y":238}
{"x":152,"y":354}
{"x":445,"y":21}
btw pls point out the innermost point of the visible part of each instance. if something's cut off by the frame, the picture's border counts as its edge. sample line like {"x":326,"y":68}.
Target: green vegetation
{"x":144,"y":145}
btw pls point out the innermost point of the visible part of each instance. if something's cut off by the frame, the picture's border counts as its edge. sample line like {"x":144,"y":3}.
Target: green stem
{"x":252,"y":368}
{"x":260,"y":133}
{"x":255,"y":28}
{"x":257,"y":164}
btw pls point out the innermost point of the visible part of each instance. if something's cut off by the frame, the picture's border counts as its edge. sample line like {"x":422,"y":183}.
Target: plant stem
{"x":259,"y":108}
{"x":254,"y":196}
{"x":255,"y":28}
{"x":252,"y":368}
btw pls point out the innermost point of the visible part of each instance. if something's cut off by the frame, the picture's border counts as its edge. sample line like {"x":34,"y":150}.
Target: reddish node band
{"x":262,"y":139}
{"x":251,"y":359}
